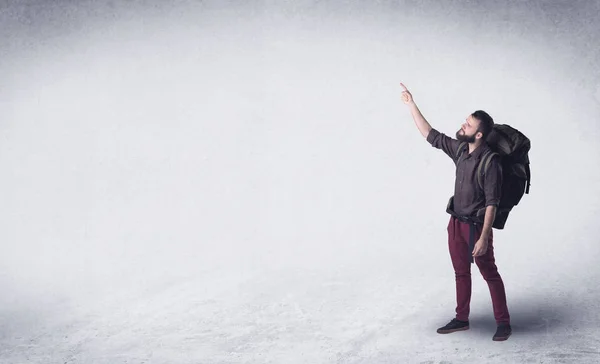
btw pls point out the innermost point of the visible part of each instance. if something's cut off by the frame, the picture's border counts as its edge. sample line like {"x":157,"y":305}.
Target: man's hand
{"x":406,"y":95}
{"x":480,"y":247}
{"x":420,"y":121}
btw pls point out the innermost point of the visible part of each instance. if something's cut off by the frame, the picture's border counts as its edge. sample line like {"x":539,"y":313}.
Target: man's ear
{"x":478,"y":135}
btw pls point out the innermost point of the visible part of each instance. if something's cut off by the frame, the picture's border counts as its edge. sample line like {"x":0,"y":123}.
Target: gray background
{"x":231,"y":182}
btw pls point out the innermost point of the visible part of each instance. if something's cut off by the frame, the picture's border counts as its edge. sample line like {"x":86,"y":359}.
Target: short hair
{"x":486,"y":123}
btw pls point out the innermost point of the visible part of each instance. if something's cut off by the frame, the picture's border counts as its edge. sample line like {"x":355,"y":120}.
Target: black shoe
{"x":453,"y":326}
{"x":502,"y":333}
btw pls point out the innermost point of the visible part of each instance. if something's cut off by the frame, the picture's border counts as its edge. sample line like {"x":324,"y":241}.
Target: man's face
{"x":468,"y":131}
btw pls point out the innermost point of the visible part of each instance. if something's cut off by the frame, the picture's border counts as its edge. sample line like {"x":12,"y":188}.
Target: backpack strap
{"x":528,"y":172}
{"x":459,"y":151}
{"x":483,"y":167}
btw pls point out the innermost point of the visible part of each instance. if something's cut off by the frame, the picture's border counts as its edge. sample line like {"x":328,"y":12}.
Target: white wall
{"x":142,"y":143}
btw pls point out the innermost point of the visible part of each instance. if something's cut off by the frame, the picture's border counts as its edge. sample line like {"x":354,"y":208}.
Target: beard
{"x":461,"y":136}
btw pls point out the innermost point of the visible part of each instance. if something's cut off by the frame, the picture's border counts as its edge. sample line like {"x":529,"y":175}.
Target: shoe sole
{"x":503,"y":338}
{"x":452,"y":330}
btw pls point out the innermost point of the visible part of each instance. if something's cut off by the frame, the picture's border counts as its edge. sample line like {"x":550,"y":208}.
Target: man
{"x":472,"y":211}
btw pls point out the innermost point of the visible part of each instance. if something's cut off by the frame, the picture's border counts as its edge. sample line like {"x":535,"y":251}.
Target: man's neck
{"x":473,"y":146}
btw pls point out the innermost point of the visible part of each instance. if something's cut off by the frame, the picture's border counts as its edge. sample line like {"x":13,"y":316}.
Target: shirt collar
{"x":478,"y":151}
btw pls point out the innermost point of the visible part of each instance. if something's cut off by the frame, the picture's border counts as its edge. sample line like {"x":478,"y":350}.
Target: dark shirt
{"x":469,"y":199}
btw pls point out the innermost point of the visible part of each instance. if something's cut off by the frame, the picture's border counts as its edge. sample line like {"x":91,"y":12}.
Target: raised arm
{"x":420,"y":121}
{"x":434,"y":137}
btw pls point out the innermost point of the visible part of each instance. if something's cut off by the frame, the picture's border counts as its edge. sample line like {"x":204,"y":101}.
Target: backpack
{"x":512,"y":147}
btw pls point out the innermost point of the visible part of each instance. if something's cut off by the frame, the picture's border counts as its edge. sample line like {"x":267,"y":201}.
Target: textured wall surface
{"x":239,"y":182}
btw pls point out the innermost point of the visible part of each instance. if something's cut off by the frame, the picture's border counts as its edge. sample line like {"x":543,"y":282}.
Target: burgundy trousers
{"x":460,"y":253}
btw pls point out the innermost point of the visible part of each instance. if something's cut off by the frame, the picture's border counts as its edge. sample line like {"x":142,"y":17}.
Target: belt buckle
{"x":465,"y":219}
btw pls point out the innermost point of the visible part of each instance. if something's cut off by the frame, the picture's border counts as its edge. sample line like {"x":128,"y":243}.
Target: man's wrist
{"x":485,"y":234}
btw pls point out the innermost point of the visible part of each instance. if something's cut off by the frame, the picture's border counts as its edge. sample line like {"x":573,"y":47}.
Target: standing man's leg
{"x":489,"y":271}
{"x":458,"y":245}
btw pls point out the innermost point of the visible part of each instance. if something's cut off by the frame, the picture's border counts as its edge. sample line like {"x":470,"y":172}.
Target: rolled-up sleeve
{"x":445,"y":143}
{"x":493,"y":183}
